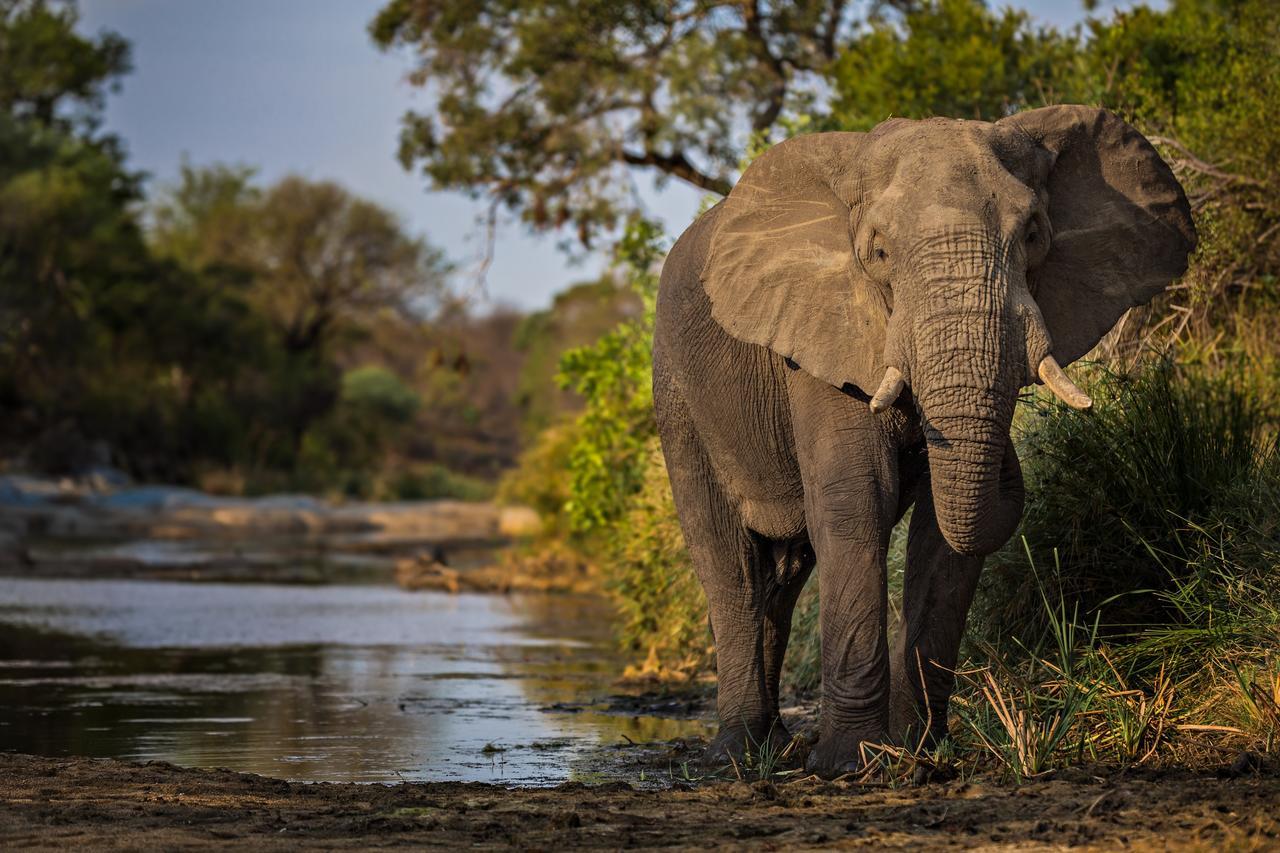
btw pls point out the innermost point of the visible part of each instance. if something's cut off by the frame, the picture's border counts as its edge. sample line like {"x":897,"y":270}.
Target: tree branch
{"x":1195,"y":164}
{"x":833,"y":30}
{"x":678,"y":166}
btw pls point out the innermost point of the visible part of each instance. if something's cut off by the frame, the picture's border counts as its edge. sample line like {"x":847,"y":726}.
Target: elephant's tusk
{"x":890,"y":388}
{"x":1062,"y":387}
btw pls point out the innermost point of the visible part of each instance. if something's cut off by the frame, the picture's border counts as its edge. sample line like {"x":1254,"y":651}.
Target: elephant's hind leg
{"x":751,"y":585}
{"x":787,"y":566}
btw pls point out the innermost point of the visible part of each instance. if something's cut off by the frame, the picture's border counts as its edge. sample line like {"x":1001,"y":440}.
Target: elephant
{"x":844,"y":336}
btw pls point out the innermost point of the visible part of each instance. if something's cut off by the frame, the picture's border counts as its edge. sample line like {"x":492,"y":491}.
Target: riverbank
{"x":79,"y":529}
{"x":50,"y":803}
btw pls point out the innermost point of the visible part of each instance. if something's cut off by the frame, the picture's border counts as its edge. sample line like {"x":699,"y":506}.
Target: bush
{"x":600,"y":483}
{"x":429,"y":481}
{"x":1156,"y":513}
{"x":608,"y":456}
{"x":663,"y":610}
{"x":541,"y":481}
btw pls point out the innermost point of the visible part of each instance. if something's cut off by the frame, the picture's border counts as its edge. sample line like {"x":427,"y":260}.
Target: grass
{"x":1030,"y":723}
{"x":1160,"y":504}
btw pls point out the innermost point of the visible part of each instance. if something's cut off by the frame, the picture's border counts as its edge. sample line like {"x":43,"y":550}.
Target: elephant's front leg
{"x":849,"y":466}
{"x":938,"y":588}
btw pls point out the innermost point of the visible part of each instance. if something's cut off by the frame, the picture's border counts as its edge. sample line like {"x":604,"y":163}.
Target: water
{"x":316,"y":683}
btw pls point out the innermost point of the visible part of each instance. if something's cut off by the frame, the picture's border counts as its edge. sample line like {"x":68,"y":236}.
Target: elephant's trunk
{"x":974,"y":332}
{"x":977,"y":482}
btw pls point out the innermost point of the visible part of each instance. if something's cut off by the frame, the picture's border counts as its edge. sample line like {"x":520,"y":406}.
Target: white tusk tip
{"x":890,"y":387}
{"x":1052,"y":375}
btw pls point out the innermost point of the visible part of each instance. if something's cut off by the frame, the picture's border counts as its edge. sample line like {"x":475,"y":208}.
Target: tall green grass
{"x":1159,"y":512}
{"x":1154,"y":524}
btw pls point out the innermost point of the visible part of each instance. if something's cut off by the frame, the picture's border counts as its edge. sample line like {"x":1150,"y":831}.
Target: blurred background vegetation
{"x":237,"y":336}
{"x":246,"y":337}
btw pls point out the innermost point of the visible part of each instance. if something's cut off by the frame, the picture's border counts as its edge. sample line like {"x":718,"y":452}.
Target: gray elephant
{"x":844,"y":336}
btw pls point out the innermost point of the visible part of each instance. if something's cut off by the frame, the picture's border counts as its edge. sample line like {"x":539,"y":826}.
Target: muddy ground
{"x":50,"y":803}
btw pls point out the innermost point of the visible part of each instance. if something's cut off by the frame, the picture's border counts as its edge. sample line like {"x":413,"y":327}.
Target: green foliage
{"x":213,"y":344}
{"x":1157,"y":511}
{"x":615,"y":377}
{"x":49,"y":74}
{"x":540,"y":479}
{"x":431,"y":481}
{"x":541,"y":104}
{"x":663,"y":610}
{"x":578,"y":316}
{"x":376,"y":393}
{"x":203,"y":220}
{"x":102,"y":347}
{"x":953,"y":58}
{"x":599,"y":481}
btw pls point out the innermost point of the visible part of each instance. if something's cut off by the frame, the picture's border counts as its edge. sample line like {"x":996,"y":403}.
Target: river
{"x":339,"y":682}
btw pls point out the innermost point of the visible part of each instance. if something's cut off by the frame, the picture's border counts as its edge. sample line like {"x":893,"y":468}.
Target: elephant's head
{"x":962,"y":259}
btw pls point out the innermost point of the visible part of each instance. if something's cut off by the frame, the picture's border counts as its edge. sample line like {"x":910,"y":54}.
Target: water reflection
{"x":352,"y":683}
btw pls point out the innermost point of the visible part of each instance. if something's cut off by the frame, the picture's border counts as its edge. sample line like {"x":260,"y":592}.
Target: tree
{"x":316,"y":266}
{"x":313,"y":258}
{"x":71,"y":254}
{"x":952,"y":58}
{"x":325,"y":257}
{"x":205,"y":220}
{"x":49,"y":73}
{"x":542,"y":104}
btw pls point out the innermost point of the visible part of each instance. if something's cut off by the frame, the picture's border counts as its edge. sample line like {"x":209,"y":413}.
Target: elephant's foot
{"x":836,"y":754}
{"x":830,"y":758}
{"x":760,"y":748}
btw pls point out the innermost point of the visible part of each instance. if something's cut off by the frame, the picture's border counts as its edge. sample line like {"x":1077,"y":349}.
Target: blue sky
{"x":296,"y":86}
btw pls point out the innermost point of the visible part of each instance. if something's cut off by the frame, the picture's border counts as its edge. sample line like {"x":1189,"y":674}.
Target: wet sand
{"x":48,"y":804}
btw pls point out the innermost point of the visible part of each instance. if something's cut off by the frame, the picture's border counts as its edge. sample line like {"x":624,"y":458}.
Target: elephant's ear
{"x":781,"y":270}
{"x":1121,"y":225}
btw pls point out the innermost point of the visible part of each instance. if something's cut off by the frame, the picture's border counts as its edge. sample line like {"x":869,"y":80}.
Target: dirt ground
{"x":51,"y":804}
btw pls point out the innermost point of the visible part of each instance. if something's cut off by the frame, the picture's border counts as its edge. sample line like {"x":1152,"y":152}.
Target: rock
{"x":519,"y":522}
{"x":20,"y":490}
{"x":426,"y":571}
{"x":105,"y":478}
{"x":155,"y":499}
{"x":69,"y":522}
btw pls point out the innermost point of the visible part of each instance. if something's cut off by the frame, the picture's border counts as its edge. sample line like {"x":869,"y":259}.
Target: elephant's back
{"x":734,"y":393}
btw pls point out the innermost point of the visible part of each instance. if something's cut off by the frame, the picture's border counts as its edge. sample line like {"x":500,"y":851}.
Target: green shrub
{"x":432,"y":482}
{"x":614,"y":376}
{"x":1157,"y":511}
{"x":663,"y":610}
{"x":377,"y":393}
{"x":541,"y":480}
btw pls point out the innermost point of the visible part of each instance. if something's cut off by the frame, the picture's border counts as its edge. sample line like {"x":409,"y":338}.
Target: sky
{"x":297,"y":86}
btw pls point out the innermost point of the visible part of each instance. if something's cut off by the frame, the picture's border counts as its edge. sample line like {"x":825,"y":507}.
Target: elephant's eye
{"x":880,"y":254}
{"x":1033,"y":234}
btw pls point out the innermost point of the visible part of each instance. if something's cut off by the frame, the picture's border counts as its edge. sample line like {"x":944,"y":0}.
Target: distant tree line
{"x":226,"y":333}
